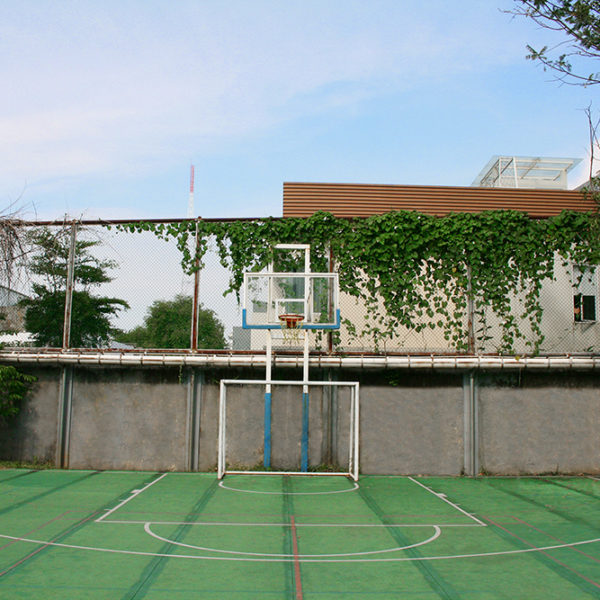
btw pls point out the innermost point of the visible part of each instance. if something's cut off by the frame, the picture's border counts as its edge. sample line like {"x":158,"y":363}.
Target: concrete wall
{"x":540,"y":423}
{"x":414,"y":426}
{"x":32,"y":435}
{"x":412,"y":422}
{"x":123,"y":419}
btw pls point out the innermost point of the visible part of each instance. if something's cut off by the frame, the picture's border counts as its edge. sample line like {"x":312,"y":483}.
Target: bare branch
{"x":579,"y":20}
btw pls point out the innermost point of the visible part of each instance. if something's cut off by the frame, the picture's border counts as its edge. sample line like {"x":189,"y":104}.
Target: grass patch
{"x":35,"y":464}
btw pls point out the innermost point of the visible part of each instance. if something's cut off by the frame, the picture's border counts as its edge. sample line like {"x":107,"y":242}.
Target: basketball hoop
{"x":291,"y":326}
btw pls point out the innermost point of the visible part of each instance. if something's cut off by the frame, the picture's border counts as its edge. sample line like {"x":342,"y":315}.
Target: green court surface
{"x":90,"y":534}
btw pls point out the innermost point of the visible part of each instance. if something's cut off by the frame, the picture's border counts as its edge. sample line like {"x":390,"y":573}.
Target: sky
{"x":105,"y":105}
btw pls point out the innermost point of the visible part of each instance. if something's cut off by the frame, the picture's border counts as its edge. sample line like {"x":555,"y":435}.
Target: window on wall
{"x":585,"y":290}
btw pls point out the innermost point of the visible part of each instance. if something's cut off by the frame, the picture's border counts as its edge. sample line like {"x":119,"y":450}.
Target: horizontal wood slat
{"x":363,"y":200}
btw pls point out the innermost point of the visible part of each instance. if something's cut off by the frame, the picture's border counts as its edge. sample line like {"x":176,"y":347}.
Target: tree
{"x":91,"y":315}
{"x":167,"y":325}
{"x":14,"y":251}
{"x":579,"y":20}
{"x":14,"y":384}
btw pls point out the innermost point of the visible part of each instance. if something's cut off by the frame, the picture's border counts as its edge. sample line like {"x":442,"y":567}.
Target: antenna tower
{"x":190,"y":213}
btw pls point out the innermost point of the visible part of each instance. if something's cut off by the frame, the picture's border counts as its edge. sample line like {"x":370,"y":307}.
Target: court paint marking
{"x":552,"y":537}
{"x":436,"y":534}
{"x":443,"y":497}
{"x":247,"y":524}
{"x":297,"y":575}
{"x":39,"y":527}
{"x":133,"y":495}
{"x":559,"y":562}
{"x":307,"y":560}
{"x":46,"y":544}
{"x":225,"y":487}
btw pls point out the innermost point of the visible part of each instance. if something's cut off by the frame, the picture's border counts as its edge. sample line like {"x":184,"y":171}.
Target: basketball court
{"x":90,"y":534}
{"x":268,"y":524}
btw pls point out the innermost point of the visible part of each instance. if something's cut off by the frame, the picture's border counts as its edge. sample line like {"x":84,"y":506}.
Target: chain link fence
{"x":83,"y":285}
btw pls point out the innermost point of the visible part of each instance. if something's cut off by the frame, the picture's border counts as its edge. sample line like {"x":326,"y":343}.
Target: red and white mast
{"x":190,"y":213}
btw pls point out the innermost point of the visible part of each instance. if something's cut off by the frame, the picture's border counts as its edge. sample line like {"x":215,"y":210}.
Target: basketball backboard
{"x":268,"y":296}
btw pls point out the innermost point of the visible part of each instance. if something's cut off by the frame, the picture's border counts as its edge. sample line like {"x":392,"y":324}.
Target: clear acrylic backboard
{"x":268,"y":296}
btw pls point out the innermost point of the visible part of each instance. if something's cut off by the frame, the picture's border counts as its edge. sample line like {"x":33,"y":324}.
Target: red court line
{"x":32,"y":554}
{"x":557,"y":539}
{"x":562,"y":564}
{"x":296,"y":562}
{"x":35,"y":529}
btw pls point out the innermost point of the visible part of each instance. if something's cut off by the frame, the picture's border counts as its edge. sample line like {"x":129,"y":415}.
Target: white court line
{"x":134,"y":494}
{"x":307,"y":560}
{"x":443,"y":497}
{"x":230,"y":524}
{"x":356,"y":486}
{"x":594,"y":478}
{"x":436,"y":534}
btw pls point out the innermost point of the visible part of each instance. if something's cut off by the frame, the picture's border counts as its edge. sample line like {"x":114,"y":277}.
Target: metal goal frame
{"x":353,"y":458}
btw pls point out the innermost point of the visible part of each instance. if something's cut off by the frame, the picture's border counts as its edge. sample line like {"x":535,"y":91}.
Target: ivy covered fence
{"x":471,"y":277}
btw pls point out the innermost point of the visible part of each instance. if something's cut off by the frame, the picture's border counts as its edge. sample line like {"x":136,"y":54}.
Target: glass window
{"x":585,"y":289}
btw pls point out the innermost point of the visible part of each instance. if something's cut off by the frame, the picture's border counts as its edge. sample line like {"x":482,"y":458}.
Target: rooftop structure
{"x":526,"y":172}
{"x":363,"y":200}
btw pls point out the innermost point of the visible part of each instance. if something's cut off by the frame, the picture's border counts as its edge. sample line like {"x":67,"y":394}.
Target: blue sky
{"x":106,"y":104}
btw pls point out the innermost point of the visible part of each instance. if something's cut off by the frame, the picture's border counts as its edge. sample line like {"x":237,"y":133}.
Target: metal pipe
{"x":64,"y":418}
{"x":309,"y":473}
{"x":196,"y":297}
{"x":69,"y":287}
{"x":107,"y":222}
{"x":268,"y":408}
{"x":330,"y":300}
{"x":433,"y":362}
{"x":470,"y":436}
{"x":470,"y":313}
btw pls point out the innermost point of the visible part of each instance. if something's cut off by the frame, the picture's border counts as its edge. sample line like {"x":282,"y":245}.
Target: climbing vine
{"x":14,"y":386}
{"x":411,"y":270}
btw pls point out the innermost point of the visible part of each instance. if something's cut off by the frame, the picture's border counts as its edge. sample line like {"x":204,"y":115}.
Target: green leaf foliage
{"x":90,"y":323}
{"x":168,"y":324}
{"x":13,"y":388}
{"x":44,"y":311}
{"x":413,"y":270}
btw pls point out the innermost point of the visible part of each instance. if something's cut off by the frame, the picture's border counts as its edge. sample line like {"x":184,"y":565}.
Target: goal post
{"x":279,"y":425}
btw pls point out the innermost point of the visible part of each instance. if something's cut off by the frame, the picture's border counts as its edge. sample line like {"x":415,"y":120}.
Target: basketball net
{"x":291,"y":327}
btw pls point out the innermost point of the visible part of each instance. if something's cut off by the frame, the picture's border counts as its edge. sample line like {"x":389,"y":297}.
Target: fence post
{"x":196,"y":300}
{"x":69,"y":288}
{"x":470,"y":314}
{"x":330,"y":269}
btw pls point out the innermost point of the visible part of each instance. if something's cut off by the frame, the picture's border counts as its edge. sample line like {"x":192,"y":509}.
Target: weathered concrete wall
{"x":414,"y":426}
{"x":32,"y":435}
{"x":539,"y":423}
{"x":209,"y":418}
{"x":124,"y":419}
{"x":412,"y":422}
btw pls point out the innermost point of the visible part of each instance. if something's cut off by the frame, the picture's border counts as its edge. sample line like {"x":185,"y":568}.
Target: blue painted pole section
{"x":304,"y":465}
{"x":267,"y":451}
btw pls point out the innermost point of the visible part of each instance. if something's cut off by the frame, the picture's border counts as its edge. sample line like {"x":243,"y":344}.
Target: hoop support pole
{"x":305,"y":406}
{"x":268,"y":405}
